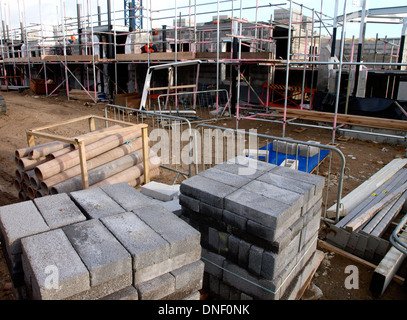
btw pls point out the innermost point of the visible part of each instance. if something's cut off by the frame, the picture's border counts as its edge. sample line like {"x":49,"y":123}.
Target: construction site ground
{"x":28,"y":111}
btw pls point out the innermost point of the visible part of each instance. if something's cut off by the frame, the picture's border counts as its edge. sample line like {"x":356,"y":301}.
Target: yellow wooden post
{"x":84,"y":168}
{"x":30,"y":140}
{"x":146,"y":158}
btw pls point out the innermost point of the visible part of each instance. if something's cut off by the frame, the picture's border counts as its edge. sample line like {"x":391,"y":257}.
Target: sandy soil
{"x":363,"y":159}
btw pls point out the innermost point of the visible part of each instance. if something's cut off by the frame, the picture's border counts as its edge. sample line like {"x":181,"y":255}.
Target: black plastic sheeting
{"x":369,"y":107}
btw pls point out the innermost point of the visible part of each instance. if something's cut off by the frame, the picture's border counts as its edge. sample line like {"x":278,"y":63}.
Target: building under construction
{"x":185,"y":67}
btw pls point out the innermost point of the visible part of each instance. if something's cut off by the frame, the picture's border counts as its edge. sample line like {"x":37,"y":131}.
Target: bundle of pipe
{"x":54,"y":167}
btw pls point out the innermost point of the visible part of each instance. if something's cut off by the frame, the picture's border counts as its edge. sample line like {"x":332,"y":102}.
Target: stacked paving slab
{"x":109,"y":243}
{"x":259,"y":225}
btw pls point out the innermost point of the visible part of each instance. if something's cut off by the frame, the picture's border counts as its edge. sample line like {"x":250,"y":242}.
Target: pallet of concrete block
{"x":259,"y":225}
{"x":109,"y":243}
{"x":361,"y":231}
{"x":54,"y":167}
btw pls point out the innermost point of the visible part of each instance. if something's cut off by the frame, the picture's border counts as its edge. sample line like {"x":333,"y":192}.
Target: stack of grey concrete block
{"x":110,"y":242}
{"x":259,"y":225}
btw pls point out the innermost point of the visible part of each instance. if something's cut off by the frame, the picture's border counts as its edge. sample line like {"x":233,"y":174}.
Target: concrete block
{"x":233,"y":248}
{"x":210,"y":211}
{"x":214,"y":285}
{"x":172,"y":205}
{"x":308,"y":151}
{"x":180,"y":236}
{"x":206,"y":190}
{"x":225,"y":177}
{"x":95,"y":203}
{"x":293,"y":199}
{"x":273,"y":264}
{"x":144,"y":244}
{"x":290,"y":164}
{"x":126,"y":196}
{"x":57,"y":270}
{"x":103,"y":255}
{"x":156,"y":288}
{"x":246,"y":167}
{"x":309,"y":178}
{"x":224,"y":290}
{"x":104,"y":289}
{"x":20,"y":220}
{"x":243,"y":256}
{"x":218,"y":241}
{"x":189,"y":203}
{"x":160,"y":191}
{"x":58,"y":210}
{"x":234,"y":220}
{"x":285,"y":147}
{"x":128,"y":293}
{"x":255,"y":259}
{"x":213,"y":263}
{"x":286,"y":183}
{"x":166,"y":266}
{"x":284,"y":240}
{"x":261,"y":231}
{"x":188,"y":273}
{"x":263,"y":210}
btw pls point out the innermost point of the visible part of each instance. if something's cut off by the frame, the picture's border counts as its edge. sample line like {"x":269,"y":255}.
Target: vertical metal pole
{"x":287,"y":69}
{"x":63,"y":13}
{"x":338,"y":79}
{"x":217,"y":59}
{"x":43,"y":50}
{"x":335,"y":27}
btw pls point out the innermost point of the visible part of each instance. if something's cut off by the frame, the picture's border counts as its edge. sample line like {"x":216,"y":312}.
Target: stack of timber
{"x":54,"y":167}
{"x":370,"y":210}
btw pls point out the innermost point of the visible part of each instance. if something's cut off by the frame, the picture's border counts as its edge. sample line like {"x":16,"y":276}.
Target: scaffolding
{"x":270,"y":65}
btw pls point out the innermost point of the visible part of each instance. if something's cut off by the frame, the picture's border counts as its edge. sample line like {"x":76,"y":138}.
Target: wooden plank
{"x":361,"y":219}
{"x":185,"y":86}
{"x":70,"y":58}
{"x":373,"y":122}
{"x":159,"y":56}
{"x":327,"y":246}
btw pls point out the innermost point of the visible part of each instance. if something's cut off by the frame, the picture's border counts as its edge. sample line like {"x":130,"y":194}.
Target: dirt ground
{"x":363,"y":159}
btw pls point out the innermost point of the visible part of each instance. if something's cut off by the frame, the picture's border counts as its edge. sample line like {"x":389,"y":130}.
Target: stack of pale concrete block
{"x":259,"y":225}
{"x":110,"y":242}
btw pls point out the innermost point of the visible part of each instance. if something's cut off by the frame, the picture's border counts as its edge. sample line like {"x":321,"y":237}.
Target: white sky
{"x":46,"y":11}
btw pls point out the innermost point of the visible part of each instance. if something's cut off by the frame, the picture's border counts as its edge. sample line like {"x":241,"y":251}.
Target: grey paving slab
{"x":58,"y":210}
{"x":206,"y":190}
{"x":213,"y":263}
{"x":285,"y":147}
{"x":245,"y":167}
{"x":20,"y":220}
{"x":287,"y":183}
{"x":188,"y":273}
{"x":104,"y":256}
{"x":145,"y":245}
{"x":95,"y":203}
{"x":57,"y":270}
{"x":264,"y":210}
{"x":225,"y":177}
{"x":293,"y":199}
{"x":273,"y":264}
{"x":189,"y":203}
{"x":128,"y":293}
{"x":157,"y":288}
{"x":210,"y":211}
{"x":234,"y":220}
{"x":160,"y":191}
{"x":126,"y":196}
{"x":317,"y":181}
{"x":255,"y":259}
{"x":180,"y":235}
